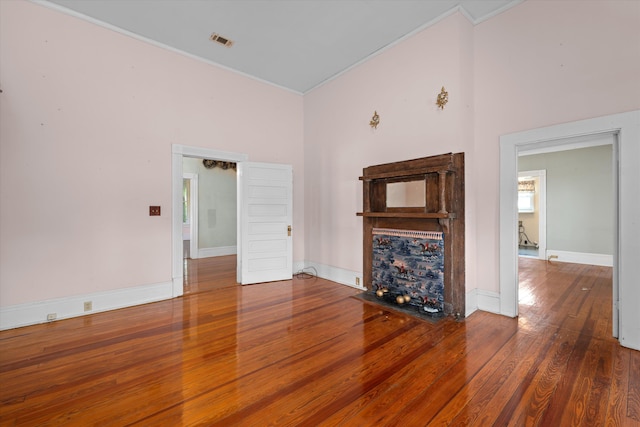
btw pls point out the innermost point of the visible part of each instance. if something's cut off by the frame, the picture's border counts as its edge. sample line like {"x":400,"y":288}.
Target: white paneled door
{"x":265,"y":204}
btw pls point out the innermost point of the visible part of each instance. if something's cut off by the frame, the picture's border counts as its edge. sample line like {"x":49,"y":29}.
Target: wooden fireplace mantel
{"x":443,"y":211}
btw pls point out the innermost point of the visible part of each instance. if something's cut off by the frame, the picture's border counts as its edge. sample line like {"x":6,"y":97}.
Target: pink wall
{"x":88,"y":118}
{"x":538,"y":64}
{"x":401,"y":84}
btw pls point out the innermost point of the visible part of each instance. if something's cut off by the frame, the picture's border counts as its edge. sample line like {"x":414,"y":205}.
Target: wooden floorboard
{"x":306,"y":352}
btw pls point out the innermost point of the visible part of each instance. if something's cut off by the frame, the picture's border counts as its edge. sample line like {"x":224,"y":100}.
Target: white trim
{"x":471,"y":302}
{"x":488,"y":301}
{"x":217,"y":251}
{"x":626,"y":268}
{"x":193,"y":213}
{"x":507,"y":6}
{"x":177,"y":153}
{"x":338,"y":275}
{"x":176,"y":224}
{"x":298,"y":266}
{"x":581,"y":258}
{"x":479,"y":299}
{"x":208,"y":153}
{"x":584,"y":141}
{"x":36,"y":312}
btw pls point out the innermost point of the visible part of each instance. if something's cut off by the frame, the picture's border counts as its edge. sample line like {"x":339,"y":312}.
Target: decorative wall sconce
{"x":210,"y":164}
{"x":443,"y":98}
{"x":375,"y":120}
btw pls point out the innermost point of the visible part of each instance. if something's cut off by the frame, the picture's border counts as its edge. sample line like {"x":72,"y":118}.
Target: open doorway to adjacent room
{"x":532,"y":214}
{"x":624,"y":133}
{"x":209,"y":216}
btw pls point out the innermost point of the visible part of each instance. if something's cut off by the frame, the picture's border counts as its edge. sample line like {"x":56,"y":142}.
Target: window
{"x":525,"y":202}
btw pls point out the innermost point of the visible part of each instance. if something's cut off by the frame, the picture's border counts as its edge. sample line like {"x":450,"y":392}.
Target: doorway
{"x":260,"y":256}
{"x":178,"y":153}
{"x":558,"y":159}
{"x":532,"y":213}
{"x":626,"y":151}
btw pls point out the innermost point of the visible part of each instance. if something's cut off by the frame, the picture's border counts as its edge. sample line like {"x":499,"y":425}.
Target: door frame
{"x":626,"y":152}
{"x":178,"y":152}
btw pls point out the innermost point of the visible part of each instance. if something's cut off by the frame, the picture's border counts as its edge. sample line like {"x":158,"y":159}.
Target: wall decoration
{"x":443,"y":98}
{"x":210,"y":164}
{"x":375,"y":120}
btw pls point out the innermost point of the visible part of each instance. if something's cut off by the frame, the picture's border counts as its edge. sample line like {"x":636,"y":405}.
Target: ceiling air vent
{"x":215,"y":37}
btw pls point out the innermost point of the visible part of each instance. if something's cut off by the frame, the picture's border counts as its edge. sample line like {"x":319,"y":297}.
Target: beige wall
{"x":580,"y":198}
{"x":217,"y":204}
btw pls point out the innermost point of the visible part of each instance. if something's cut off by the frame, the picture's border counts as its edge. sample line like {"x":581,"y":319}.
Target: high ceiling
{"x":295,"y":44}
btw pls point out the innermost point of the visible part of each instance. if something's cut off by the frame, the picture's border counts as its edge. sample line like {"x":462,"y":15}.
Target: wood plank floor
{"x":306,"y":353}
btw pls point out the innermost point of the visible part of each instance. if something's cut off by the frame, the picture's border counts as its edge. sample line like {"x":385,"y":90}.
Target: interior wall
{"x":543,"y":63}
{"x":534,"y":65}
{"x":88,"y":118}
{"x":96,"y":112}
{"x":580,"y":198}
{"x":402,"y":85}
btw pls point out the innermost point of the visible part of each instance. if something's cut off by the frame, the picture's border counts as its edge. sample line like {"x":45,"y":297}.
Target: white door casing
{"x":179,"y":151}
{"x":265,"y":210}
{"x":626,"y":268}
{"x":193,"y":213}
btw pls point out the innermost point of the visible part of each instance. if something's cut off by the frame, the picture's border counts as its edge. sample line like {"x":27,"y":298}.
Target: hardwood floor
{"x":306,"y":353}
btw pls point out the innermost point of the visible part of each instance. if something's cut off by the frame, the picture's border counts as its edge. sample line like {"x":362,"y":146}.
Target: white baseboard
{"x":335,"y":274}
{"x":298,"y":266}
{"x":581,"y":258}
{"x":470,"y":302}
{"x":36,"y":312}
{"x":217,"y":251}
{"x":488,"y":301}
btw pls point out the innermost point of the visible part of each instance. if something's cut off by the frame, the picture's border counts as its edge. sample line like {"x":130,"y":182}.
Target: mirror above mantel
{"x":406,"y":194}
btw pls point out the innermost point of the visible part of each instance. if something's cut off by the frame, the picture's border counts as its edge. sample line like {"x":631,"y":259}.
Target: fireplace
{"x":408,"y":268}
{"x":414,"y":233}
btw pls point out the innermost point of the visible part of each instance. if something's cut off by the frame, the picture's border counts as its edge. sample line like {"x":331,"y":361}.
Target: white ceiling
{"x":295,"y":44}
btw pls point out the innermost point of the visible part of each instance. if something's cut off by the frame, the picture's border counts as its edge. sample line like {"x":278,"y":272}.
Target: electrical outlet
{"x":357,"y":281}
{"x":51,"y":316}
{"x":88,"y":305}
{"x":154,"y":210}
